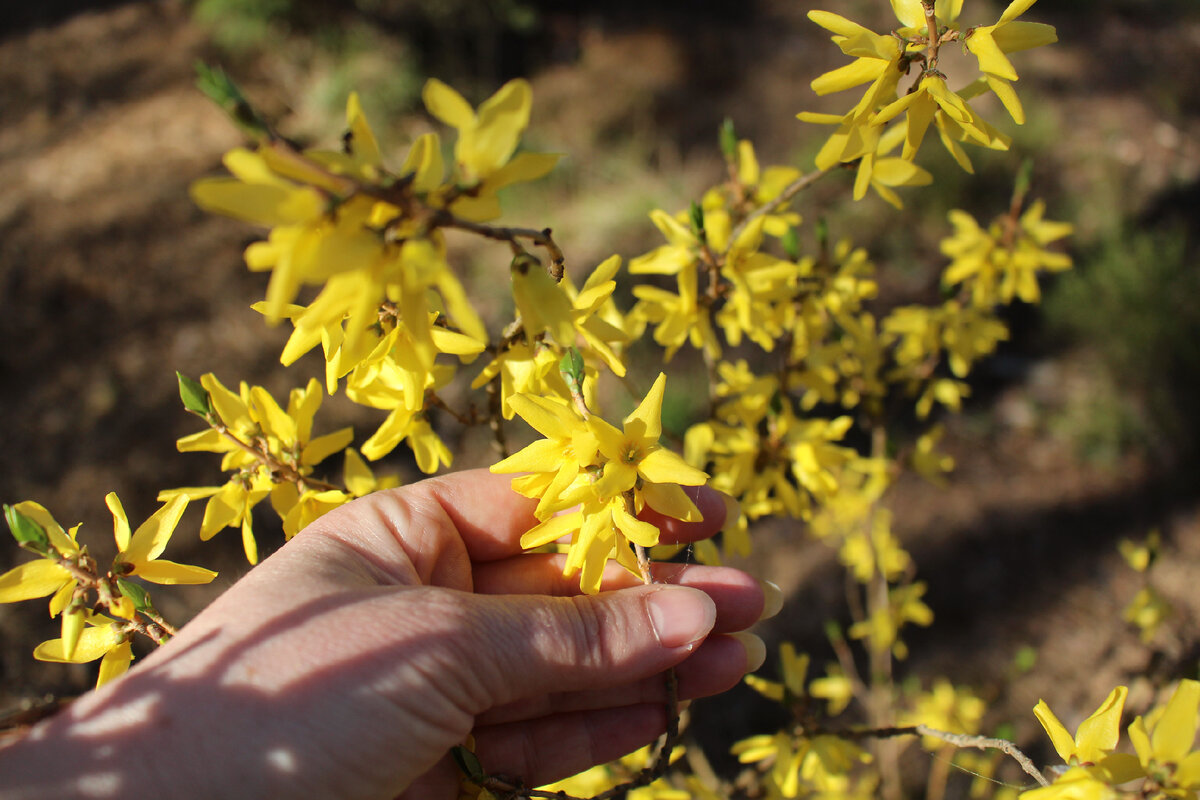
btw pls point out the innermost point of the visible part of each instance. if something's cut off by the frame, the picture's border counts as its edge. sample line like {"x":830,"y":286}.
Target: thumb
{"x":536,"y":645}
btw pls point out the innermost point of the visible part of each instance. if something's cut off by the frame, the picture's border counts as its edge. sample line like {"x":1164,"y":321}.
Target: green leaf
{"x":728,"y":139}
{"x":1024,"y":179}
{"x":1025,"y":659}
{"x":696,"y":216}
{"x":468,"y":763}
{"x":791,"y":243}
{"x":194,"y":396}
{"x":219,"y":88}
{"x":28,"y":533}
{"x":134,"y":591}
{"x":571,"y":367}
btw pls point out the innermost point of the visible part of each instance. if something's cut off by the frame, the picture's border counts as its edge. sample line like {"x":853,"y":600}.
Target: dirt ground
{"x":110,"y":279}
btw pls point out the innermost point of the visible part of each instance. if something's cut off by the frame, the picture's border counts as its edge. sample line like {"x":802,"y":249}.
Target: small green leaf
{"x":696,"y":217}
{"x":468,"y":763}
{"x":139,"y":596}
{"x":219,"y":88}
{"x":833,"y":632}
{"x":194,"y":396}
{"x":28,"y":533}
{"x":1023,"y":182}
{"x":791,"y":243}
{"x":1025,"y":659}
{"x":728,"y":138}
{"x":571,"y":367}
{"x":822,"y":228}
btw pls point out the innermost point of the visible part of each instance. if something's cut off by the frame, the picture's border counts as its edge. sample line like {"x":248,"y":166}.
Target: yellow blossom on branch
{"x":609,"y":474}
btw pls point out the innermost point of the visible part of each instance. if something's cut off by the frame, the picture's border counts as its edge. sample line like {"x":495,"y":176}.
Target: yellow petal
{"x":1187,"y":774}
{"x":249,"y":543}
{"x":152,"y":536}
{"x":322,"y":447}
{"x":362,"y":139}
{"x":1099,"y":733}
{"x":32,"y":579}
{"x":1017,"y":36}
{"x":1008,"y":96}
{"x":1062,"y":740}
{"x":645,"y":421}
{"x":671,"y":501}
{"x":120,"y":521}
{"x":425,"y":163}
{"x":635,"y":530}
{"x":501,"y":119}
{"x":550,"y":418}
{"x":115,"y":663}
{"x":1176,"y":728}
{"x":93,"y":643}
{"x":447,"y":105}
{"x":991,"y":58}
{"x":61,"y":598}
{"x":358,"y":477}
{"x":665,"y":466}
{"x":856,"y":73}
{"x":270,"y":416}
{"x":543,"y":455}
{"x":542,"y":302}
{"x":170,"y":573}
{"x":72,"y":627}
{"x":521,"y":168}
{"x":551,"y":530}
{"x":222,"y":510}
{"x":1015,"y":9}
{"x":263,"y":205}
{"x":1140,"y":740}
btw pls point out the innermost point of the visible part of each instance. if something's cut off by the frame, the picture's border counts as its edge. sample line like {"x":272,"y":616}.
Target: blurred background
{"x":1082,"y":431}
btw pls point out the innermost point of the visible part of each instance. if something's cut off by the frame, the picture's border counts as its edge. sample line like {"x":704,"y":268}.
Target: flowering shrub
{"x":808,"y":384}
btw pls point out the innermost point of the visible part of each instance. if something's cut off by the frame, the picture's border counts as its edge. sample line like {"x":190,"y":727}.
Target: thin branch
{"x":956,"y":739}
{"x":791,"y":190}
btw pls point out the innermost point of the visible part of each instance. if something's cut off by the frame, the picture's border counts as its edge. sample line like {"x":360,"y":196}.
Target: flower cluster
{"x":607,"y":476}
{"x":885,"y":118}
{"x":1165,"y":758}
{"x":78,"y":588}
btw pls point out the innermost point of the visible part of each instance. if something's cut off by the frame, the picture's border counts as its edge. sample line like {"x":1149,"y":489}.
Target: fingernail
{"x":680,"y":615}
{"x":733,"y":509}
{"x":756,"y":650}
{"x":772,"y":600}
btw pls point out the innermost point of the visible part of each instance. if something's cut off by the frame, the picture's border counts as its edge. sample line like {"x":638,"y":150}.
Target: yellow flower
{"x":1165,"y":740}
{"x":1079,"y":783}
{"x":139,"y":552}
{"x":602,"y":528}
{"x":634,"y":455}
{"x":668,"y":259}
{"x":103,"y":638}
{"x":45,"y":576}
{"x":930,"y":464}
{"x":1094,"y":740}
{"x":990,"y":43}
{"x":678,"y":318}
{"x":570,"y":447}
{"x":794,"y":668}
{"x":945,"y":708}
{"x":882,"y":628}
{"x":487,"y":138}
{"x":877,"y":59}
{"x":836,"y":689}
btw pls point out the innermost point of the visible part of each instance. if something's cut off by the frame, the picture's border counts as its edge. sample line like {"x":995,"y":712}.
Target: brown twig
{"x":791,"y":190}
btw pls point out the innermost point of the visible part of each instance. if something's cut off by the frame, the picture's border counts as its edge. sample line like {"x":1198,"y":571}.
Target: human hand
{"x":350,"y":662}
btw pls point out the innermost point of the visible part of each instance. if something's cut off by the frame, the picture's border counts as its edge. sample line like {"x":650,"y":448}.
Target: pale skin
{"x":350,"y":662}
